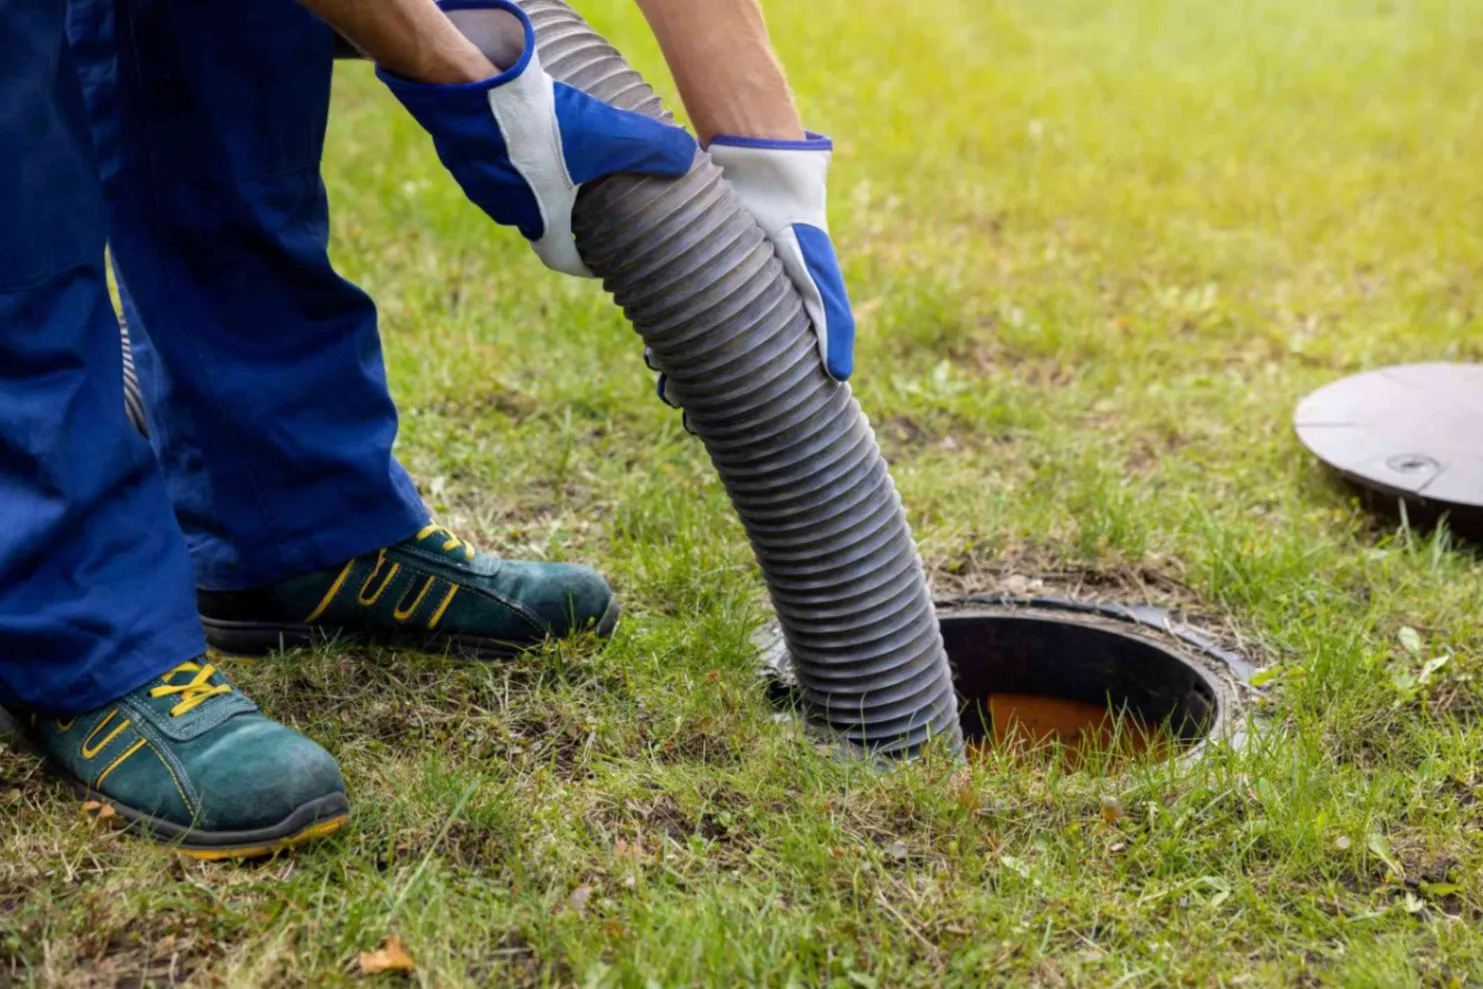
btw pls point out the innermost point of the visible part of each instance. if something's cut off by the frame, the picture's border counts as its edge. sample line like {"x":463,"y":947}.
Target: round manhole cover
{"x":1412,"y":434}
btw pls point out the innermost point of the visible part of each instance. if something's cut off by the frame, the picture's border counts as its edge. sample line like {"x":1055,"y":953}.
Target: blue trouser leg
{"x":260,"y":366}
{"x":96,"y":593}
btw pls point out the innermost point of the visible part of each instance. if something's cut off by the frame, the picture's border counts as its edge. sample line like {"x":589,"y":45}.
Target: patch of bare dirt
{"x":1030,"y":573}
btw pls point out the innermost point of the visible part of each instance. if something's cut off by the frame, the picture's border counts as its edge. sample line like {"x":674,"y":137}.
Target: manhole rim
{"x":1226,"y":673}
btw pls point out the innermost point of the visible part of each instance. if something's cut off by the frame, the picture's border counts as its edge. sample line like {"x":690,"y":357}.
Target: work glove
{"x":521,"y":145}
{"x":783,"y":185}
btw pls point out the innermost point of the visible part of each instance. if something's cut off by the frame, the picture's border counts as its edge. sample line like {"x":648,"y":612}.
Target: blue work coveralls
{"x":186,"y":135}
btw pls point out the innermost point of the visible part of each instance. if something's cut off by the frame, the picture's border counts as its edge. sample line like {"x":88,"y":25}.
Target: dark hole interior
{"x":1007,"y":654}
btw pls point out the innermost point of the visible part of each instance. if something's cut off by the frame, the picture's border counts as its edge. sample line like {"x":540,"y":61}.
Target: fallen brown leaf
{"x":390,"y":957}
{"x":103,"y":815}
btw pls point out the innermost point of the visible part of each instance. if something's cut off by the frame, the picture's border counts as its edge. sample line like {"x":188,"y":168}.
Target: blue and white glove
{"x":783,"y":185}
{"x":521,"y":145}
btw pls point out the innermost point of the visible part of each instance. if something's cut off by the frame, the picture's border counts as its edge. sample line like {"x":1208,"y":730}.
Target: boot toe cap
{"x":570,"y":598}
{"x":267,"y":775}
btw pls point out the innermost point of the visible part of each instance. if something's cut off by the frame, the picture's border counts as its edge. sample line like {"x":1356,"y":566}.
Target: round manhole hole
{"x":1081,"y":679}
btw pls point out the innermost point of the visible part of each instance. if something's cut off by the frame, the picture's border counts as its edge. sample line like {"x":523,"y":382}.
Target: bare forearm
{"x":411,"y":38}
{"x":725,"y":68}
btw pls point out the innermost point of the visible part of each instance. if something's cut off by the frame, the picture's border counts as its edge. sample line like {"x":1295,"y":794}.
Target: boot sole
{"x":253,"y":639}
{"x":319,"y":818}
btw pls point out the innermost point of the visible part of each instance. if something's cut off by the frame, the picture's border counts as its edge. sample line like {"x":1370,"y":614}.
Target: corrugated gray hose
{"x":133,"y":401}
{"x":698,"y":280}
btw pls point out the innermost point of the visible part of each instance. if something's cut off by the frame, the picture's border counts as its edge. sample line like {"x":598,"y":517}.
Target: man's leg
{"x":97,"y":610}
{"x":95,"y":583}
{"x":260,"y":366}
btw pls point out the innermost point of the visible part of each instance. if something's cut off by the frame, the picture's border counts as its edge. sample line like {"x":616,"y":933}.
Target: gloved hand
{"x":782,"y":184}
{"x":521,"y":145}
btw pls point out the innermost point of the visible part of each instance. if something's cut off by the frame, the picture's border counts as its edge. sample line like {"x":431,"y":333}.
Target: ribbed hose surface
{"x":698,"y":279}
{"x":133,"y":401}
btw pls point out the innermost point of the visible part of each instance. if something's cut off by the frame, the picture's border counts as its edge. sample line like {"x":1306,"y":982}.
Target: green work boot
{"x":188,"y":761}
{"x":432,"y":592}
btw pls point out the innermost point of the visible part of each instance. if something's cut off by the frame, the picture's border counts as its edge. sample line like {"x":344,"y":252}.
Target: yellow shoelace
{"x":193,"y":694}
{"x":450,"y":541}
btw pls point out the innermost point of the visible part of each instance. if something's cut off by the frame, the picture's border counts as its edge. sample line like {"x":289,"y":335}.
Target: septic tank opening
{"x":1036,"y":682}
{"x":1077,"y":679}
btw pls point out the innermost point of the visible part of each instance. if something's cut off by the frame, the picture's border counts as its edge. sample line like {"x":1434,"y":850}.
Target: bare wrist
{"x":453,"y":68}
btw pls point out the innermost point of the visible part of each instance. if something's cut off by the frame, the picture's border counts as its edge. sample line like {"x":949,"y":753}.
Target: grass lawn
{"x":1099,"y":251}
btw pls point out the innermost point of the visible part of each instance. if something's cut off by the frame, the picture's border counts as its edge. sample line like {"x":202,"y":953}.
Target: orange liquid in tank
{"x":1033,"y":723}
